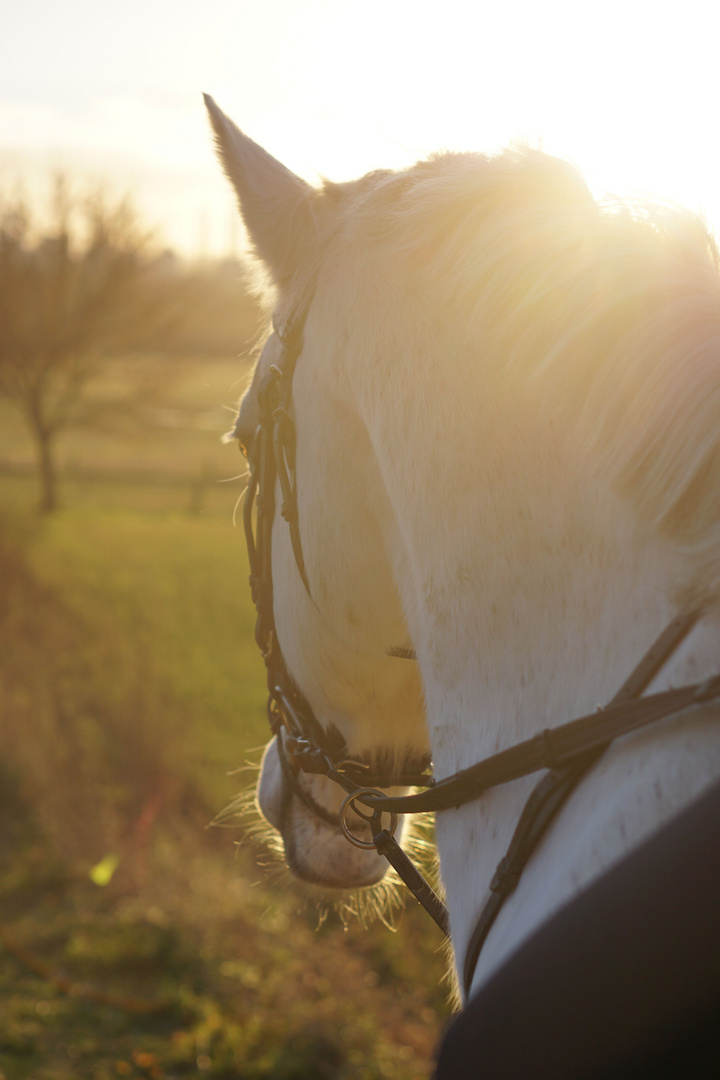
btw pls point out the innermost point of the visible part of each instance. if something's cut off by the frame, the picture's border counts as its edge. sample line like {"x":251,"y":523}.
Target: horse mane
{"x":608,"y":310}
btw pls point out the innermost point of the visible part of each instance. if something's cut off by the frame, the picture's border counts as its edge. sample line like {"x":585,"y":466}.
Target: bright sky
{"x":626,"y":88}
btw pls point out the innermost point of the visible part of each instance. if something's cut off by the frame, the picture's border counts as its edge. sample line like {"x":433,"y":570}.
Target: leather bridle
{"x":568,"y":751}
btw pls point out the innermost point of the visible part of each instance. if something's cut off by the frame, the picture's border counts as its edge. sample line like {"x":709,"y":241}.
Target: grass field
{"x":134,"y":941}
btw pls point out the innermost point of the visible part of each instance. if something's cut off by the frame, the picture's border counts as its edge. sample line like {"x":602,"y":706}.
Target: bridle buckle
{"x":305,"y":756}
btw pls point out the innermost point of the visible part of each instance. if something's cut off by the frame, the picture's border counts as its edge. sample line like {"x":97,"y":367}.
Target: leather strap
{"x":551,"y":749}
{"x":553,"y":790}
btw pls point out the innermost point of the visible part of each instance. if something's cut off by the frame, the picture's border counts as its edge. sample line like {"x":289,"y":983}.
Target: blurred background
{"x":135,"y":941}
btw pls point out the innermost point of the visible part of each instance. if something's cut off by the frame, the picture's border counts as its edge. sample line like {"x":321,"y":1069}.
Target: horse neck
{"x":543,"y":639}
{"x":531,"y":596}
{"x":530,"y":589}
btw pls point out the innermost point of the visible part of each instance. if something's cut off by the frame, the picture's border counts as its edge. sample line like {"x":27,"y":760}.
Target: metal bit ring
{"x":342,"y":816}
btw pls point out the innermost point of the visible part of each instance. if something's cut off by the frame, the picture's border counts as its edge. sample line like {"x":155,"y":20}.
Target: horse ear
{"x":276,"y":205}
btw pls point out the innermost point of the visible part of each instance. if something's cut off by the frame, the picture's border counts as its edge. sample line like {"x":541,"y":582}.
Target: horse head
{"x":337,"y":638}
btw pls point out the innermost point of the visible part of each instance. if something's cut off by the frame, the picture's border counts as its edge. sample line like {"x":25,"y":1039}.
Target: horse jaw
{"x":315,"y":851}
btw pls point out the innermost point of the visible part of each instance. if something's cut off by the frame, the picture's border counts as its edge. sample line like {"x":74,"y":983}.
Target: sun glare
{"x":616,"y":89}
{"x":338,"y":87}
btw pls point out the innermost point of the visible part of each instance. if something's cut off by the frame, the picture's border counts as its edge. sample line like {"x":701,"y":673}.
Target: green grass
{"x":170,"y":593}
{"x":130,"y":687}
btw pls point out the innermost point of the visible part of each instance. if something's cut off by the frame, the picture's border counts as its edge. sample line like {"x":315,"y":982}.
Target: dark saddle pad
{"x":624,"y":982}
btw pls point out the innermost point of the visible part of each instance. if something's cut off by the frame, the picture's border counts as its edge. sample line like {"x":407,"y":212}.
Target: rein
{"x":568,"y":751}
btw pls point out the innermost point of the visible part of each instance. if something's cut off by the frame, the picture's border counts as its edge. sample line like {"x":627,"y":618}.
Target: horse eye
{"x":246,"y":442}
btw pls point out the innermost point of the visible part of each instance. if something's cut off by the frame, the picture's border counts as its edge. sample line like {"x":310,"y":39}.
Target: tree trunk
{"x":48,"y":472}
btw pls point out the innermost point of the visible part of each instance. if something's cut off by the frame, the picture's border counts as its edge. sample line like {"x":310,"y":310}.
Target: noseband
{"x":568,"y":751}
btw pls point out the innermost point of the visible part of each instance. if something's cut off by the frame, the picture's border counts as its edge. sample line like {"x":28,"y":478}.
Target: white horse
{"x":506,"y":403}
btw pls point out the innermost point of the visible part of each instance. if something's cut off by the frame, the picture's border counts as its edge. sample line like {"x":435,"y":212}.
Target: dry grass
{"x":129,"y":688}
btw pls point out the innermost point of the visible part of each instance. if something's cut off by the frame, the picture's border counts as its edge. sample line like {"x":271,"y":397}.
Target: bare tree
{"x":81,"y":289}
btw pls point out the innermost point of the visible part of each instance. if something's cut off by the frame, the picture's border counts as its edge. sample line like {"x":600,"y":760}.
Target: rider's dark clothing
{"x":622,"y":984}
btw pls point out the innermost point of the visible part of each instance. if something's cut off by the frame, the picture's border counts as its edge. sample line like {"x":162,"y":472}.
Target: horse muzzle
{"x":316,"y":851}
